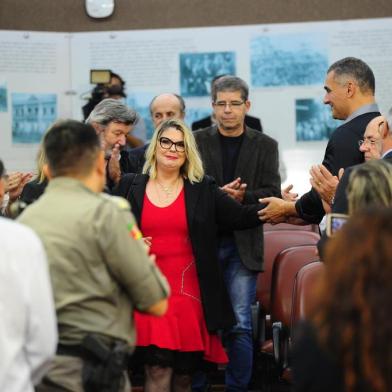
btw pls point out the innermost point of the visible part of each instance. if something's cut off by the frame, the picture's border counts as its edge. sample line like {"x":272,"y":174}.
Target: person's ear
{"x":351,"y":89}
{"x":383,"y":129}
{"x":247,"y":106}
{"x":47,"y":172}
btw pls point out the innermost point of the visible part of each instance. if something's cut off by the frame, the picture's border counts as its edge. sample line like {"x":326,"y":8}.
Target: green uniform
{"x":99,"y":267}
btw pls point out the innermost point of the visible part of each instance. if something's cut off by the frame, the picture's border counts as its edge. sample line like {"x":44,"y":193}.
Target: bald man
{"x":322,"y":180}
{"x":162,"y":108}
{"x":379,"y":142}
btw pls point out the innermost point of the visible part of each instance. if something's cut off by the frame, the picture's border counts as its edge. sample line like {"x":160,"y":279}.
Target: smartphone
{"x":335,"y":222}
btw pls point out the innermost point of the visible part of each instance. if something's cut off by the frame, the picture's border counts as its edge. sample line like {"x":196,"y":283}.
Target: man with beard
{"x":112,"y":120}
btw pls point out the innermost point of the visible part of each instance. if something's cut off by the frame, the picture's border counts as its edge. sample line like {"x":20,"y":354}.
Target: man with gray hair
{"x":349,"y":91}
{"x":112,"y":120}
{"x":245,"y":163}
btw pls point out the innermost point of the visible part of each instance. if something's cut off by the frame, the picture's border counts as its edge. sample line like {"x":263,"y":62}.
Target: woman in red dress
{"x":180,"y":208}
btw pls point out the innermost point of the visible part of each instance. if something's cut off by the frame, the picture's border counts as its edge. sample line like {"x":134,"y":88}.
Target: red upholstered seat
{"x":304,"y":288}
{"x":274,"y":243}
{"x":285,"y":269}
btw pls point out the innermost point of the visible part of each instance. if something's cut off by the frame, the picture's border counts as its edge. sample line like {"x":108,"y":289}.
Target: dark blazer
{"x":206,"y":208}
{"x":342,"y":151}
{"x":33,"y":190}
{"x":340,"y":204}
{"x":134,"y":160}
{"x":206,"y":122}
{"x":258,"y":167}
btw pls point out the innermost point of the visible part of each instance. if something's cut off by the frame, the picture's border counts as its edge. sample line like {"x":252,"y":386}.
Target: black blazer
{"x":342,"y":151}
{"x":33,"y":190}
{"x":206,"y":208}
{"x":258,"y":167}
{"x":206,"y":122}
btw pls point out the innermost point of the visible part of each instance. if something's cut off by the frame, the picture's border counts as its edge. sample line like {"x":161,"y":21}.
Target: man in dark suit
{"x":340,"y":204}
{"x":245,"y":164}
{"x":349,"y":90}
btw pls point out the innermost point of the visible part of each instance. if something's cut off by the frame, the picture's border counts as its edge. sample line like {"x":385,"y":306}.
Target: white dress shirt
{"x":28,"y":330}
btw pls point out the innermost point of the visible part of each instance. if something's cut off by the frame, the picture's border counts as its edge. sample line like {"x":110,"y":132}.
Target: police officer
{"x":99,"y":267}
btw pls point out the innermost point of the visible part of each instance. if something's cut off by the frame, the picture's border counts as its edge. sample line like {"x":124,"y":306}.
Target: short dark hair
{"x":230,"y":83}
{"x":357,"y":69}
{"x":115,"y":75}
{"x":1,"y":168}
{"x":71,"y":148}
{"x":180,"y":101}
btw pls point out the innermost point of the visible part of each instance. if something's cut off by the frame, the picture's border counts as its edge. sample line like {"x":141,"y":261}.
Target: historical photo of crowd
{"x":313,"y":121}
{"x":293,"y":60}
{"x":144,"y":127}
{"x":195,"y":114}
{"x":198,"y":69}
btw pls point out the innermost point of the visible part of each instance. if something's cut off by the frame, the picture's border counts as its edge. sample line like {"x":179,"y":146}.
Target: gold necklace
{"x":168,"y":190}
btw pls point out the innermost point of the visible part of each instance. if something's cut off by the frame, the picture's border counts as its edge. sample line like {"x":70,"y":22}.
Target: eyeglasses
{"x":370,"y":142}
{"x":166,"y":143}
{"x":232,"y":104}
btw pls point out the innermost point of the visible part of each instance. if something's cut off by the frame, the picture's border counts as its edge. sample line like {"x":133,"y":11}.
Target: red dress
{"x":183,"y":327}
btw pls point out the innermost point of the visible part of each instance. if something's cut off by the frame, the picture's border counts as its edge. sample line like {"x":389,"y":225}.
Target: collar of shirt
{"x":373,"y":107}
{"x":386,"y":153}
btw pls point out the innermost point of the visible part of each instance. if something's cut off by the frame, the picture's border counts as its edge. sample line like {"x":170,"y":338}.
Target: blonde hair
{"x":41,"y":161}
{"x":192,"y":169}
{"x":370,"y":184}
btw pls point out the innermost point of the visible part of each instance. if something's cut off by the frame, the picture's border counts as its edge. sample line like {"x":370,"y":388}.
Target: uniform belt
{"x":71,"y":351}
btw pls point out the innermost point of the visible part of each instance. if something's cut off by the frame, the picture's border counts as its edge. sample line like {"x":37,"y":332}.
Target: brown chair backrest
{"x":289,"y":226}
{"x":304,"y":287}
{"x":274,"y":243}
{"x":285,"y":269}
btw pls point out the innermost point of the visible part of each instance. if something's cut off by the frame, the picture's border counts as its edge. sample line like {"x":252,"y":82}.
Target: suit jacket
{"x":134,"y":160}
{"x":342,"y":151}
{"x":206,"y":207}
{"x":206,"y":122}
{"x":340,"y":204}
{"x":258,"y":167}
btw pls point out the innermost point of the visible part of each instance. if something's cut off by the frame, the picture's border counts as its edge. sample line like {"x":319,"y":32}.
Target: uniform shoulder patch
{"x":119,"y":201}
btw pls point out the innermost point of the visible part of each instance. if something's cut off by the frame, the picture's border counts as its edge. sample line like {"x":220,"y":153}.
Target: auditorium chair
{"x":274,"y":243}
{"x":285,"y":268}
{"x":289,"y":226}
{"x":303,"y":291}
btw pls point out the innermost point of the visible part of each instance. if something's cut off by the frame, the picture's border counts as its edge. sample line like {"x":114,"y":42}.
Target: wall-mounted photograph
{"x":195,"y":114}
{"x":198,"y":69}
{"x":3,"y":98}
{"x":32,"y":114}
{"x":288,"y":60}
{"x":140,"y":102}
{"x":313,"y":120}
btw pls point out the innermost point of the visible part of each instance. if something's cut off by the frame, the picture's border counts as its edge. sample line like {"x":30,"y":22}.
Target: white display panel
{"x":284,"y":64}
